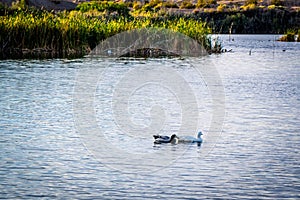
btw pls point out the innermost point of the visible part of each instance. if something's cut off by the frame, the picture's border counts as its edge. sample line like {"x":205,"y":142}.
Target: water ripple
{"x":42,"y":155}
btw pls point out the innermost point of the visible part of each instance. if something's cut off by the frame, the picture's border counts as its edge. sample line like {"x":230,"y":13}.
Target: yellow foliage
{"x":221,"y":7}
{"x":251,"y":6}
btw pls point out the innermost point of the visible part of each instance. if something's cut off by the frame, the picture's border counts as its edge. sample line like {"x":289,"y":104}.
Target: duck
{"x":165,"y":139}
{"x":191,"y":139}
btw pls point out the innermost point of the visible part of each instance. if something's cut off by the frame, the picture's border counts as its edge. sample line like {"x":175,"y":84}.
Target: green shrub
{"x":108,"y":6}
{"x":250,"y":2}
{"x":147,"y":8}
{"x":249,"y":7}
{"x":3,"y":9}
{"x":137,"y":5}
{"x":152,"y":6}
{"x":186,"y":4}
{"x":201,"y":4}
{"x":154,"y":3}
{"x":170,"y":4}
{"x":221,"y":8}
{"x":291,"y":35}
{"x":271,"y":7}
{"x":205,"y":3}
{"x":277,"y":2}
{"x":66,"y":32}
{"x":19,"y":4}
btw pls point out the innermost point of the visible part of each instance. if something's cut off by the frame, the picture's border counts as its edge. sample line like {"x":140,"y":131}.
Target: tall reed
{"x":75,"y":33}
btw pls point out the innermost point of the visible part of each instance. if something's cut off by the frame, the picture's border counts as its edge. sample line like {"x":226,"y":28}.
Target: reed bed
{"x":292,"y":35}
{"x":38,"y":34}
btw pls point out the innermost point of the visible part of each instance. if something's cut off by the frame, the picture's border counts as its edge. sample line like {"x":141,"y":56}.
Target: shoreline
{"x":37,"y":33}
{"x":44,"y":53}
{"x":41,"y":53}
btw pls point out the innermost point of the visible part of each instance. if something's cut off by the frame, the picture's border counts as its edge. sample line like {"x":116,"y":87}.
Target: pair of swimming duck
{"x":174,"y":139}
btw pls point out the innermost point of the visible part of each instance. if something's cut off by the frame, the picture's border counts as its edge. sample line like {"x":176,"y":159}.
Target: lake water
{"x":82,"y":129}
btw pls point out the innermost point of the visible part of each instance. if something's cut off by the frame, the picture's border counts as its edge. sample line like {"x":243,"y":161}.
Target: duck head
{"x":199,"y":134}
{"x":174,"y":139}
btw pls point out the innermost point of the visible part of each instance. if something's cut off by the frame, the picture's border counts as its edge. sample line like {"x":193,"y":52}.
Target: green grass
{"x":292,"y":35}
{"x":75,"y":33}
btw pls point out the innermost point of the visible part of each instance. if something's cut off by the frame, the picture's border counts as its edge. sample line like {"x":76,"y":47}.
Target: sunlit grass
{"x":292,"y":35}
{"x":78,"y":31}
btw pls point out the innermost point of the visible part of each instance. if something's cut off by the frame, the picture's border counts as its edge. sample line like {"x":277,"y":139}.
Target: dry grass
{"x":71,"y":4}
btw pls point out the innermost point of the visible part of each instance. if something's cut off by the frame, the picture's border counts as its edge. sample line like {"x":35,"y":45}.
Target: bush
{"x":74,"y":33}
{"x":288,"y":38}
{"x":201,"y":4}
{"x":19,"y":4}
{"x":154,"y":3}
{"x":152,"y":6}
{"x":292,"y":35}
{"x":271,"y":7}
{"x":110,"y":7}
{"x":249,"y":7}
{"x":221,"y":7}
{"x":277,"y":2}
{"x":187,"y":5}
{"x":137,"y":5}
{"x":3,"y":9}
{"x":250,"y":2}
{"x":170,"y":5}
{"x":205,"y":3}
{"x":212,"y":1}
{"x":147,"y":8}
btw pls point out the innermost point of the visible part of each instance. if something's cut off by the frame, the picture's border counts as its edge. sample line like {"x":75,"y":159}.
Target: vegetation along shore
{"x":73,"y":29}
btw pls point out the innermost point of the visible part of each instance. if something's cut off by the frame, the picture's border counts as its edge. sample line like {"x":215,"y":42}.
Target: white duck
{"x":190,"y":139}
